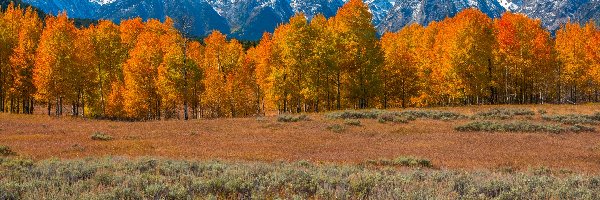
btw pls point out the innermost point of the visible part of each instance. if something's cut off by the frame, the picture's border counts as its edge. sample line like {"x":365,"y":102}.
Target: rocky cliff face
{"x":249,"y":19}
{"x":425,"y":11}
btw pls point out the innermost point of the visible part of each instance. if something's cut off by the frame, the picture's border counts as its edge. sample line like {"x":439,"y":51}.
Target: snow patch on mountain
{"x":510,"y":6}
{"x":379,"y":9}
{"x":248,"y":19}
{"x":103,"y":2}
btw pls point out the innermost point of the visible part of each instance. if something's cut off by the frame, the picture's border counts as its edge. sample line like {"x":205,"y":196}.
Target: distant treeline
{"x":149,"y":70}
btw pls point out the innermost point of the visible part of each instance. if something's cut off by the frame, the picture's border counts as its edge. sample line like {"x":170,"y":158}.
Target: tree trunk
{"x":12,"y":105}
{"x":83,"y":106}
{"x":24,"y":106}
{"x":31,"y":105}
{"x":403,"y":95}
{"x":185,"y":110}
{"x":339,"y":96}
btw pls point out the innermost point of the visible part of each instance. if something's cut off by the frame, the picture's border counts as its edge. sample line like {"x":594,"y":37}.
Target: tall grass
{"x":118,"y":178}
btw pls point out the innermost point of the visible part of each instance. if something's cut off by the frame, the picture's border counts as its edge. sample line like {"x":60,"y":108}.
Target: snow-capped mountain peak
{"x":103,"y":2}
{"x":510,"y":6}
{"x":249,"y":19}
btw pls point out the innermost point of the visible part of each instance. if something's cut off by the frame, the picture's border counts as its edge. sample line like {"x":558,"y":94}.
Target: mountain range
{"x":249,"y":19}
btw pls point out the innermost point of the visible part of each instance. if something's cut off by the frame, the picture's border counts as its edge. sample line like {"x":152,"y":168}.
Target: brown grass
{"x":42,"y":137}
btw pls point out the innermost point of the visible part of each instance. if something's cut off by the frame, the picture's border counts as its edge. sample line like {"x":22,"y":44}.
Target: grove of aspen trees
{"x":145,"y":70}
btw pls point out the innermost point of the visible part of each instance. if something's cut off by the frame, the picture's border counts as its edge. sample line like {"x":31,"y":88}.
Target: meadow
{"x":505,"y":152}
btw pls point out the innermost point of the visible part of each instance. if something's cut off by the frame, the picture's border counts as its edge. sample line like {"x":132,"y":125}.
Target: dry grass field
{"x":265,"y":139}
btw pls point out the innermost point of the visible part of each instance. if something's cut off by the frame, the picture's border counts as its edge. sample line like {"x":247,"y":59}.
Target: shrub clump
{"x":572,"y":119}
{"x":101,"y":137}
{"x":595,"y":116}
{"x":430,"y":114}
{"x":355,"y":114}
{"x":502,"y":113}
{"x":577,"y":128}
{"x":403,"y":162}
{"x":120,"y":178}
{"x":292,"y":118}
{"x":352,"y":122}
{"x":395,"y":116}
{"x":518,"y":126}
{"x":6,"y":151}
{"x":336,"y":128}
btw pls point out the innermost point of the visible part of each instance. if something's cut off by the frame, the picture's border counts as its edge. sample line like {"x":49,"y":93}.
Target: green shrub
{"x":402,"y":162}
{"x":121,"y":178}
{"x":595,"y":116}
{"x":16,"y":163}
{"x":391,"y":116}
{"x":571,"y":119}
{"x":577,"y":128}
{"x":101,"y":137}
{"x":430,"y":114}
{"x":336,"y":128}
{"x":518,"y":126}
{"x":6,"y":151}
{"x":502,"y":113}
{"x":413,"y":162}
{"x":292,"y":118}
{"x":352,"y":122}
{"x":354,"y":114}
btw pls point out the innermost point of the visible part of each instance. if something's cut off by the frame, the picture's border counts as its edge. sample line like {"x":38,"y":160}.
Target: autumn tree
{"x":222,"y":62}
{"x":323,"y":67}
{"x":524,"y":55}
{"x":83,"y":77}
{"x":262,"y":56}
{"x":59,"y":72}
{"x":130,"y":31}
{"x":428,"y":83}
{"x":243,"y":88}
{"x":194,"y":77}
{"x":576,"y":71}
{"x":360,"y":53}
{"x":593,"y":57}
{"x":141,"y":98}
{"x":150,"y":70}
{"x":18,"y":68}
{"x":292,"y":46}
{"x":216,"y":69}
{"x":399,"y":74}
{"x":172,"y":72}
{"x":469,"y":43}
{"x":9,"y":31}
{"x":109,"y":53}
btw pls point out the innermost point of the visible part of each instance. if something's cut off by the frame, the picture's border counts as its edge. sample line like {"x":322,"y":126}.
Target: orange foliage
{"x":149,"y":70}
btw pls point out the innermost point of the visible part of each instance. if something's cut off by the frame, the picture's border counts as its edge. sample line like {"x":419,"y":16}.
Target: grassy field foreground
{"x":508,"y":152}
{"x":120,"y":178}
{"x":526,"y":141}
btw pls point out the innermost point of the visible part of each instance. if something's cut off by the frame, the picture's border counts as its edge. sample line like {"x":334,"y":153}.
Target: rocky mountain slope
{"x":248,"y":19}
